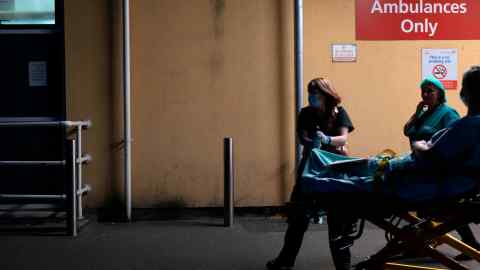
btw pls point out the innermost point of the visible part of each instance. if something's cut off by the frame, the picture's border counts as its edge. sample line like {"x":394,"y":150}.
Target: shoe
{"x":275,"y":265}
{"x":462,"y":257}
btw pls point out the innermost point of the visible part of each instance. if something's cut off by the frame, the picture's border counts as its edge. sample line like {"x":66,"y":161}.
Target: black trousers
{"x":298,"y":222}
{"x":297,"y":226}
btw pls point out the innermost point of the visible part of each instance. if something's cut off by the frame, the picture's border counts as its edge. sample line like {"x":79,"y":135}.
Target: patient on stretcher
{"x":446,"y":166}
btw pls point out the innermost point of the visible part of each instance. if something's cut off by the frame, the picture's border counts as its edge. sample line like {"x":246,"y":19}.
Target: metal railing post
{"x":72,"y":194}
{"x":228,"y":182}
{"x":79,"y":170}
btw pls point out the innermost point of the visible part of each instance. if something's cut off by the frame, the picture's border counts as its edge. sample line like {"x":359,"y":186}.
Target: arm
{"x":409,"y":124}
{"x":301,"y":129}
{"x":337,"y":141}
{"x":345,"y":126}
{"x":341,"y":140}
{"x":304,"y":139}
{"x":449,"y":145}
{"x":420,"y":148}
{"x":419,"y":111}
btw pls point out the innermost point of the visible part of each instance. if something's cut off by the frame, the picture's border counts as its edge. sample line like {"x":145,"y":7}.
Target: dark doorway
{"x":32,"y":85}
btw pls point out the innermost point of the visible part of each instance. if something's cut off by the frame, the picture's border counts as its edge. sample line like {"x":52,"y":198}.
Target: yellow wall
{"x":203,"y":70}
{"x":206,"y":69}
{"x":89,"y":86}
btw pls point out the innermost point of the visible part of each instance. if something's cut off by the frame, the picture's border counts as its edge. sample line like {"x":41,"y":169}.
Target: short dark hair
{"x":471,"y":84}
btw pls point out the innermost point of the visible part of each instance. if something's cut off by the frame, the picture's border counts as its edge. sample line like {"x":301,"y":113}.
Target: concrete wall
{"x":206,"y":69}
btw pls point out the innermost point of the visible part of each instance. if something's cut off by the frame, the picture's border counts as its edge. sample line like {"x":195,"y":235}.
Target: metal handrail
{"x":33,"y":163}
{"x":78,"y":159}
{"x":32,"y":196}
{"x":82,"y":124}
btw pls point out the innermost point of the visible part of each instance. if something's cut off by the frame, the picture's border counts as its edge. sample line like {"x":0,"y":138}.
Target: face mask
{"x":313,"y":101}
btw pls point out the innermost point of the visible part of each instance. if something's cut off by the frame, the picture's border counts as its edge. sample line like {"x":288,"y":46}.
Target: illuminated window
{"x":18,"y":12}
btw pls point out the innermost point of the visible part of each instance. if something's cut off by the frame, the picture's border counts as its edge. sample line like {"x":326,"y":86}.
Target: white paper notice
{"x":344,"y":52}
{"x":37,"y":73}
{"x":442,"y":64}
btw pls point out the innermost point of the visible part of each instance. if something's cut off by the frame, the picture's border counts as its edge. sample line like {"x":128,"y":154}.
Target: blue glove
{"x":324,"y":139}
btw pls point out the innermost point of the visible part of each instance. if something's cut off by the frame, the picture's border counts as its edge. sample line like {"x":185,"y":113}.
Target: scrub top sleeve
{"x":343,"y":120}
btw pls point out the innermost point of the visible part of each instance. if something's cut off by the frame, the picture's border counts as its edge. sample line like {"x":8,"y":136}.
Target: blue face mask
{"x":314,"y":101}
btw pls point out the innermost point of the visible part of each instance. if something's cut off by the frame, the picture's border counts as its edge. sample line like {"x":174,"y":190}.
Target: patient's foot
{"x":276,"y":265}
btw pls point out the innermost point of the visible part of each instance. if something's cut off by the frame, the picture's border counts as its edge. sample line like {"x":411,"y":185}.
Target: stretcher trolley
{"x":357,"y":191}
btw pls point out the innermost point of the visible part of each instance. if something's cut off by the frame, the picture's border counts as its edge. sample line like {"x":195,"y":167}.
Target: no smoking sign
{"x":440,"y":72}
{"x":442,"y":64}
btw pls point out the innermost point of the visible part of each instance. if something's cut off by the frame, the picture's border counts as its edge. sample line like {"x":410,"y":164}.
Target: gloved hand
{"x":421,"y":109}
{"x":324,"y":139}
{"x":420,"y":147}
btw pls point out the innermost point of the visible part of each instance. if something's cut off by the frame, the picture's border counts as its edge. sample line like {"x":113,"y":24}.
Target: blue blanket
{"x":330,"y":173}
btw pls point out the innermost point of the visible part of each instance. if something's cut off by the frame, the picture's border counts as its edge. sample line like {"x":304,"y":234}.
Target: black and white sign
{"x":37,"y":73}
{"x":344,"y":52}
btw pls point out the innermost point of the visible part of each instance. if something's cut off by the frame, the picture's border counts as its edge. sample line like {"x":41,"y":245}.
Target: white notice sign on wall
{"x":442,"y":64}
{"x":37,"y":73}
{"x":344,"y":52}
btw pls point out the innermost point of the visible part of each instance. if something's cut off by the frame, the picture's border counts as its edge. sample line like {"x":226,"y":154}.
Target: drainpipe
{"x":126,"y":109}
{"x":298,"y":24}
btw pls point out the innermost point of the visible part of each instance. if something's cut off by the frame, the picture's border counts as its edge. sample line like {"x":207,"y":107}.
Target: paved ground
{"x":167,"y":245}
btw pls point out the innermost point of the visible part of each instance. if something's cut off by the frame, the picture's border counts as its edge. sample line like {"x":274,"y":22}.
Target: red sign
{"x":417,"y":19}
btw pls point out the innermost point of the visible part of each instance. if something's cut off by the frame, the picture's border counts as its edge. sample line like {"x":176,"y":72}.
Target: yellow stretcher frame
{"x":399,"y":266}
{"x":445,"y":239}
{"x":423,"y":236}
{"x":428,"y":249}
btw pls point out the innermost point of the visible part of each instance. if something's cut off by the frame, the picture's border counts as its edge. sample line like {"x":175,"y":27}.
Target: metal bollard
{"x":228,"y":182}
